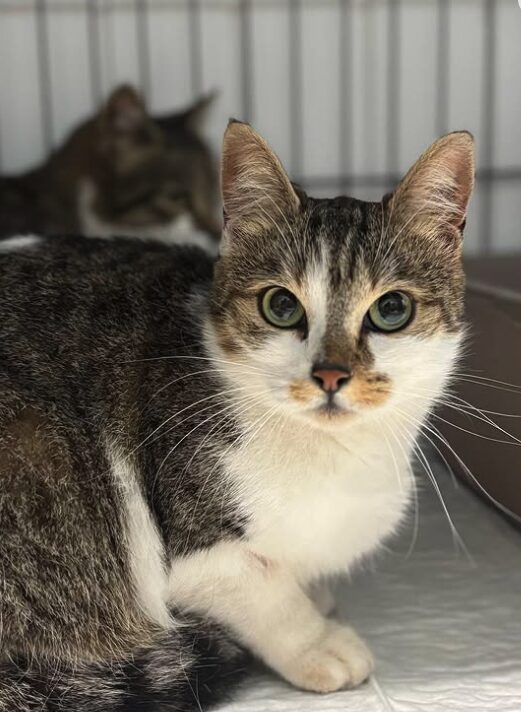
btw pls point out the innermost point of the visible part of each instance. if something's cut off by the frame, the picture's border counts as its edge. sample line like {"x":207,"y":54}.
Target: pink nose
{"x":330,"y":378}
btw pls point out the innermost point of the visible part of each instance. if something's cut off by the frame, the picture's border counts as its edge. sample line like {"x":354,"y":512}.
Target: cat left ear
{"x":124,"y":111}
{"x":434,"y":195}
{"x":257,"y":192}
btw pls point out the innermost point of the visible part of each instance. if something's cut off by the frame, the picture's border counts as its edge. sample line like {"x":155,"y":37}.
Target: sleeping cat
{"x":122,"y":172}
{"x":188,"y":451}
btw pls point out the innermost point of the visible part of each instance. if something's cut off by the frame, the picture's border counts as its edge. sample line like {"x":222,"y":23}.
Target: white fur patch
{"x":180,"y":231}
{"x":316,"y":499}
{"x":20,"y":242}
{"x":419,"y":368}
{"x":319,"y":502}
{"x":145,"y":548}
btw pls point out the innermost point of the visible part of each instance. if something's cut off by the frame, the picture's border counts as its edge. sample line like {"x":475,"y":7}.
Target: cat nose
{"x":330,"y":377}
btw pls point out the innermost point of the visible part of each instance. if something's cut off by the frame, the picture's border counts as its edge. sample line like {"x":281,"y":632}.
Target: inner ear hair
{"x":435,"y":193}
{"x":257,"y":192}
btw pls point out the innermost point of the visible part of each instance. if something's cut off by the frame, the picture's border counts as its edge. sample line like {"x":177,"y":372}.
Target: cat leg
{"x":322,"y":596}
{"x":263,"y":604}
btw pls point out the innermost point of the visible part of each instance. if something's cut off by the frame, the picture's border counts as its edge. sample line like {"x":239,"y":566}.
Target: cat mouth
{"x":330,"y":408}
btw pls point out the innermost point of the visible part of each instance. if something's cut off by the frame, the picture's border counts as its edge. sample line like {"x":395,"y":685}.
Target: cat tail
{"x":189,"y":668}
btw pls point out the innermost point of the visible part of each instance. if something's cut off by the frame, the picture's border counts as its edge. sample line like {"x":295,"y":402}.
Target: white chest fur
{"x":316,"y":504}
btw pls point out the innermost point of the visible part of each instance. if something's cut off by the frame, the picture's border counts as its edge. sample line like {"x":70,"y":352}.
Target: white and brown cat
{"x":188,"y":451}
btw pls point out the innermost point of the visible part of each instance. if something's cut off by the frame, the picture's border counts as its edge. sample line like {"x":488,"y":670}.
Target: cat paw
{"x":339,"y":660}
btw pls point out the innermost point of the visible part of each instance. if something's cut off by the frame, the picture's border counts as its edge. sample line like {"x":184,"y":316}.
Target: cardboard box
{"x":489,"y":379}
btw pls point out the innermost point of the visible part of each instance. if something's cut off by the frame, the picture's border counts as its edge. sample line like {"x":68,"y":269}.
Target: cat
{"x":189,"y":450}
{"x":122,"y":172}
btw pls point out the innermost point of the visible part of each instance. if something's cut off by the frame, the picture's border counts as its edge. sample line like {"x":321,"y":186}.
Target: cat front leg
{"x":322,"y":596}
{"x":262,"y":603}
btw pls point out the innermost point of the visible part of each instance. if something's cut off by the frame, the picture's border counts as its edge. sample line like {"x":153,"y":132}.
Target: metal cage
{"x":92,"y":18}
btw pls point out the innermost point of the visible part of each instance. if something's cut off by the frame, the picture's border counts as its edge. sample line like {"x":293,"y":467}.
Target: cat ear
{"x":434,"y":195}
{"x":193,"y":118}
{"x":124,"y":112}
{"x":257,"y":193}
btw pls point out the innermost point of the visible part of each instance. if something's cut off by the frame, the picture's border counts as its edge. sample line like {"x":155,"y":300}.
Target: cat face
{"x":153,"y":171}
{"x":336,"y":310}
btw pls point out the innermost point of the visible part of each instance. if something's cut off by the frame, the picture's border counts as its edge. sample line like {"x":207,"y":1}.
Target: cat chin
{"x":324,"y":418}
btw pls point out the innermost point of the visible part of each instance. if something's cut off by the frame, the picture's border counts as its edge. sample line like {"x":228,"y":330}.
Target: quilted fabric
{"x":444,"y":625}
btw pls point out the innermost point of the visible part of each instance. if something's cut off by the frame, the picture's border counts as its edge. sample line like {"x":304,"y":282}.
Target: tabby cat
{"x":188,"y":451}
{"x":122,"y":172}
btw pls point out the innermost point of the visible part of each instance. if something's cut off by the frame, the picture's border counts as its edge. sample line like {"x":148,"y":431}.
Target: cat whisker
{"x":493,"y":386}
{"x":468,"y":408}
{"x":197,"y":358}
{"x":243,"y":401}
{"x":428,"y":470}
{"x":436,"y":433}
{"x":416,"y":523}
{"x":185,"y":376}
{"x":475,"y":412}
{"x":393,"y":457}
{"x":206,"y":420}
{"x":467,"y":404}
{"x":223,"y":497}
{"x":473,"y":376}
{"x":260,"y":422}
{"x":471,"y":432}
{"x":478,"y":484}
{"x":219,"y":394}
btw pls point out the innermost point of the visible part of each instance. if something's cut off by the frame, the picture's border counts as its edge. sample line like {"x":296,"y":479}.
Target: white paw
{"x":339,"y":659}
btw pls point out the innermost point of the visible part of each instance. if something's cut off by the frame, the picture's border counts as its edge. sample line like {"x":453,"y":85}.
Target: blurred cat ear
{"x":257,"y":193}
{"x":193,"y":118}
{"x":124,"y":111}
{"x":435,"y":193}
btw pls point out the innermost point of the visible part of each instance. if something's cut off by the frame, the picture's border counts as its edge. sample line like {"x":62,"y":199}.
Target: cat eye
{"x":281,"y":308}
{"x":391,"y":312}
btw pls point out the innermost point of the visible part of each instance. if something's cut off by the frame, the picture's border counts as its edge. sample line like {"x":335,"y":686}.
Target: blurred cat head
{"x":337,"y":310}
{"x":150,"y":176}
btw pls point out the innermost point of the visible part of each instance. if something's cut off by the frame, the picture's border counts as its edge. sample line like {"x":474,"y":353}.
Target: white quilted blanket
{"x":445,"y":627}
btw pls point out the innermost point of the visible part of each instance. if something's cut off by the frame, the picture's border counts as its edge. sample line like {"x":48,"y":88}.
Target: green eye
{"x":390,"y":312}
{"x":281,"y":308}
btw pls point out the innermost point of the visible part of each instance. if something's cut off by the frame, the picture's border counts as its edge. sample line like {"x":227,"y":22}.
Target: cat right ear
{"x":257,"y":193}
{"x":196,"y":115}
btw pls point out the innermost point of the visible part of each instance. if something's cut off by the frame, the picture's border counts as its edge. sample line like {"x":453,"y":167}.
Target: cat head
{"x":151,"y":171}
{"x":337,"y":309}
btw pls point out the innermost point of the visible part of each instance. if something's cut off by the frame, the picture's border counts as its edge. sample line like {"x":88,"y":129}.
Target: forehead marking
{"x":317,"y":295}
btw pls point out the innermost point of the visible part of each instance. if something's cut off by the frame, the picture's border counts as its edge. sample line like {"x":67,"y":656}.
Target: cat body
{"x":189,"y":450}
{"x":122,"y":172}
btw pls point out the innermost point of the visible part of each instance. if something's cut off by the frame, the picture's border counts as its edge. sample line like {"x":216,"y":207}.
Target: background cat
{"x":122,"y":172}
